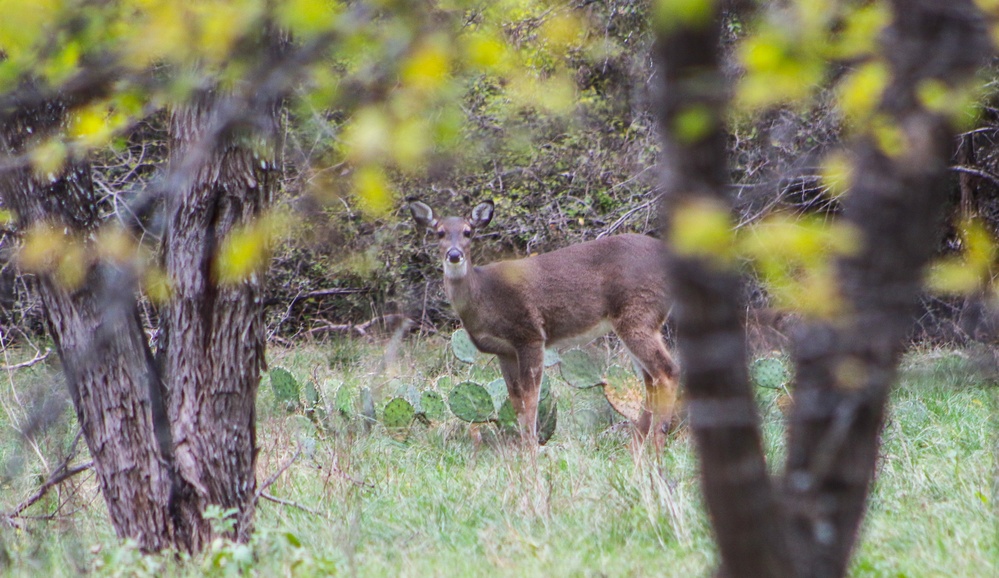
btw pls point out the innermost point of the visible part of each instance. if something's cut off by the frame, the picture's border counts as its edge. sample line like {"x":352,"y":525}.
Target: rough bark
{"x":115,"y":388}
{"x":897,"y":204}
{"x":214,"y":340}
{"x":844,"y":369}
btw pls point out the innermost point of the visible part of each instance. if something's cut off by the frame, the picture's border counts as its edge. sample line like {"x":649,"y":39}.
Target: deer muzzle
{"x":455,"y":256}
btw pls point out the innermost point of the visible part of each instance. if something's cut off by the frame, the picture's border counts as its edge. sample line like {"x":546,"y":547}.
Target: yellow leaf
{"x":487,"y":52}
{"x":859,"y":93}
{"x":965,"y":273}
{"x":368,"y":135}
{"x":48,"y":158}
{"x":373,"y":191}
{"x":156,"y":285}
{"x":671,"y":14}
{"x":308,"y":18}
{"x":837,"y":174}
{"x":429,"y":66}
{"x":411,"y":142}
{"x":562,"y":30}
{"x":41,"y":248}
{"x":693,"y":124}
{"x":703,"y":229}
{"x":246,"y":250}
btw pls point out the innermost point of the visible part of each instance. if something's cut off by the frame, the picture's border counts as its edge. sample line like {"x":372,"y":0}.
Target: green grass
{"x":454,"y":501}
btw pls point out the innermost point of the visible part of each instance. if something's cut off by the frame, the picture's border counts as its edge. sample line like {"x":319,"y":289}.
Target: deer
{"x":515,"y":309}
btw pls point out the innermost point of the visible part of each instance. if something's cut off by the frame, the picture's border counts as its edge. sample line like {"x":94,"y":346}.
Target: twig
{"x":273,"y":478}
{"x":38,"y":358}
{"x":59,"y":475}
{"x":322,"y":293}
{"x":991,"y":177}
{"x":290,"y":503}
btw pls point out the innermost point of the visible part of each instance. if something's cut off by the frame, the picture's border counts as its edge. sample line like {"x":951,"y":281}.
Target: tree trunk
{"x":844,"y":369}
{"x":173,"y":435}
{"x":116,"y":391}
{"x":214,"y":339}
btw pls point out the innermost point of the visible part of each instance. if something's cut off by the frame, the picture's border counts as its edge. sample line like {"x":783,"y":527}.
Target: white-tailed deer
{"x":514,"y":309}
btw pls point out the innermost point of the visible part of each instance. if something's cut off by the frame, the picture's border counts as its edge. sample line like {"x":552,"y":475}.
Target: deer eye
{"x":467,"y":232}
{"x":440,"y":234}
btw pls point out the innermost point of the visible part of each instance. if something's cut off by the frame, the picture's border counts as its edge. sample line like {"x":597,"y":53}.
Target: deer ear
{"x":482,"y":214}
{"x":423,"y":214}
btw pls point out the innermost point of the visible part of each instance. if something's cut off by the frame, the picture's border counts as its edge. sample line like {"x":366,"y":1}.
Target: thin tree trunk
{"x":844,"y":369}
{"x":708,"y":312}
{"x":896,"y":204}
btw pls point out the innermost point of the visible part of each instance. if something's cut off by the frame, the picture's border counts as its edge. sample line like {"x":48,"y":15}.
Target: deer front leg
{"x":523,"y":383}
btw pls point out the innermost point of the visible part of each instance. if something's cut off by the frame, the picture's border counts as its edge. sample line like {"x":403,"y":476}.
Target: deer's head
{"x":454,"y":234}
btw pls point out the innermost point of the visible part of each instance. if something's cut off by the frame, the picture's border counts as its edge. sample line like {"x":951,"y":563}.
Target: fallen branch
{"x":290,"y":503}
{"x":273,"y":478}
{"x":58,"y":476}
{"x":37,"y":359}
{"x":361,"y":329}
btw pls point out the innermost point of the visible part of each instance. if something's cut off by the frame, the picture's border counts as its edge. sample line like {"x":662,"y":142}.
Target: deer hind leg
{"x":659,"y":371}
{"x":523,"y":383}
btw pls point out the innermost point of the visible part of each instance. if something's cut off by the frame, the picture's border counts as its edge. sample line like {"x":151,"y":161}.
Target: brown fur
{"x":514,"y":309}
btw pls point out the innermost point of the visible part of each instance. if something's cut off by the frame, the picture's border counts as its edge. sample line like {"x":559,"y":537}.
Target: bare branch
{"x":37,"y":359}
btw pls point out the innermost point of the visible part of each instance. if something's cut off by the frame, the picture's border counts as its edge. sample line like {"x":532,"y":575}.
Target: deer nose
{"x":455,"y":256}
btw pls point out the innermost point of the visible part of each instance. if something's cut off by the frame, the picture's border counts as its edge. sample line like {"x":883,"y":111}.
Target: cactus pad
{"x":344,"y":401}
{"x":547,"y":419}
{"x":580,"y":370}
{"x":286,"y":388}
{"x":367,"y":404}
{"x":497,"y":389}
{"x":506,"y":418}
{"x":626,"y":398}
{"x":546,"y":388}
{"x":432,"y":406}
{"x":398,"y":413}
{"x":471,"y":402}
{"x":462,"y":346}
{"x":311,"y":393}
{"x":771,"y":372}
{"x":551,"y":357}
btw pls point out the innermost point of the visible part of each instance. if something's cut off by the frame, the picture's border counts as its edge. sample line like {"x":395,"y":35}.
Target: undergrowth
{"x":455,"y":500}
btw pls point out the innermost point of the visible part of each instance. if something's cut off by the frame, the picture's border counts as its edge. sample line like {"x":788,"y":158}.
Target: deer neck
{"x":460,"y":285}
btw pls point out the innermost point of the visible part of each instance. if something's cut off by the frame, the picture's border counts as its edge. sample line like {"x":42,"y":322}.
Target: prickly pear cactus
{"x":497,"y":389}
{"x":432,"y":406}
{"x":344,"y":401}
{"x":471,"y":402}
{"x":398,"y":413}
{"x":772,"y":372}
{"x":580,"y":370}
{"x":625,"y":395}
{"x":311,"y":394}
{"x":546,"y":387}
{"x":367,"y":405}
{"x":506,"y":418}
{"x":547,"y":419}
{"x":551,"y":357}
{"x":462,"y":346}
{"x":286,"y":389}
